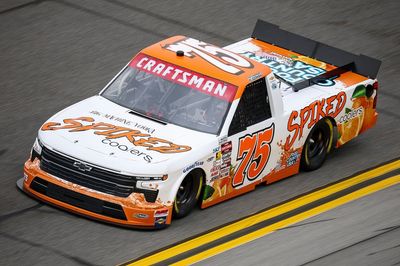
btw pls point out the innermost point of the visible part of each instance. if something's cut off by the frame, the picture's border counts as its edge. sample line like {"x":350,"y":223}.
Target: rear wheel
{"x":318,"y":144}
{"x":188,"y":194}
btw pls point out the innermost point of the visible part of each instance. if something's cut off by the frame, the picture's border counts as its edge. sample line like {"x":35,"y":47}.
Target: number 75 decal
{"x":254,"y":152}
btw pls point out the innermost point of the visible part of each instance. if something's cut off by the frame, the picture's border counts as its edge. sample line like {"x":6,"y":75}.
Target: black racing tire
{"x":319,"y":143}
{"x":188,"y":194}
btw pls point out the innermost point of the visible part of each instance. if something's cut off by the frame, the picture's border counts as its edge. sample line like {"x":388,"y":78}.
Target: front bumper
{"x":133,"y":211}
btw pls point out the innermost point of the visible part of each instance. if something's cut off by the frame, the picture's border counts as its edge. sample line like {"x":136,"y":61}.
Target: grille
{"x":97,"y":179}
{"x":76,"y":199}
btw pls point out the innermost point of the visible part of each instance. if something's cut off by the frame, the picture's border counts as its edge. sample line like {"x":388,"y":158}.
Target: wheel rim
{"x":185,"y":190}
{"x":316,"y":144}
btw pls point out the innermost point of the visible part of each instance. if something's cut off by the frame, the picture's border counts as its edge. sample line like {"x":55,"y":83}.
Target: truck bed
{"x":306,"y":69}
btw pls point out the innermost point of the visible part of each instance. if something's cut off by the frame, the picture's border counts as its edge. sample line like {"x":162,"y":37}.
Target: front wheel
{"x":188,"y":194}
{"x":318,"y":144}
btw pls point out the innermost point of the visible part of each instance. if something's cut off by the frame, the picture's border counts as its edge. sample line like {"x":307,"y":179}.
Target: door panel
{"x":253,"y":153}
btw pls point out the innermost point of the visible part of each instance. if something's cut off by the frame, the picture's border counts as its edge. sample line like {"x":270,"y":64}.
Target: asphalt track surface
{"x":54,"y":53}
{"x":316,"y":241}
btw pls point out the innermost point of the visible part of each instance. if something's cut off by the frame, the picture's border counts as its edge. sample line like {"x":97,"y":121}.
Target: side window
{"x":253,"y":107}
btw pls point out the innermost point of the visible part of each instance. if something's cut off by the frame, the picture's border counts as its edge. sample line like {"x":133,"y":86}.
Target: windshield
{"x":162,"y":91}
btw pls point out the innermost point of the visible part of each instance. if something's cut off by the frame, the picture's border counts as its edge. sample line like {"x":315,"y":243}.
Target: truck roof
{"x":299,"y":61}
{"x":208,"y":60}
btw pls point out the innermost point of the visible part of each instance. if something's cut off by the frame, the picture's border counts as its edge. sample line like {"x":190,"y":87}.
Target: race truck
{"x":187,"y":123}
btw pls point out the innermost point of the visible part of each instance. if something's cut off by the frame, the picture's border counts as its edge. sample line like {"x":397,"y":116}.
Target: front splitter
{"x":20,"y":183}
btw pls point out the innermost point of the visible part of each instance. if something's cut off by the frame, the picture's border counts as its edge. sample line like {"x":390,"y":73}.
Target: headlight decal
{"x":36,"y":150}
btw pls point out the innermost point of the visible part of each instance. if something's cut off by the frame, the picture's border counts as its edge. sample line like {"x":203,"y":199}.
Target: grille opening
{"x":78,"y":200}
{"x":96,"y":178}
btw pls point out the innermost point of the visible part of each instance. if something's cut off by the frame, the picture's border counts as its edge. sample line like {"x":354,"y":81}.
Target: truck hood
{"x":103,"y":133}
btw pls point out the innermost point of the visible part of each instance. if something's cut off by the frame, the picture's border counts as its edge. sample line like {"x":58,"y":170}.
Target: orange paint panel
{"x":276,"y":176}
{"x":209,"y":60}
{"x":132,"y":205}
{"x":234,"y":193}
{"x":273,"y":176}
{"x":348,"y":78}
{"x":351,"y":78}
{"x":291,"y":54}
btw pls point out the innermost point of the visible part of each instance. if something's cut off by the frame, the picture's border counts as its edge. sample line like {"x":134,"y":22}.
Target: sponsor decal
{"x":226,"y":165}
{"x":214,"y":177}
{"x":160,"y":218}
{"x":254,"y":77}
{"x":132,"y":151}
{"x":214,"y":169}
{"x":275,"y":83}
{"x":110,"y":131}
{"x":162,"y":213}
{"x":361,"y":115}
{"x":124,"y":121}
{"x":311,"y":114}
{"x":225,"y":172}
{"x":288,"y":69}
{"x":221,"y":58}
{"x":292,"y":158}
{"x":272,"y":56}
{"x":210,"y":159}
{"x":215,"y":173}
{"x":141,"y":216}
{"x":185,"y":77}
{"x":226,"y":156}
{"x":160,"y":222}
{"x":226,"y":162}
{"x":287,"y":158}
{"x":218,"y":156}
{"x":226,"y":147}
{"x":350,"y":114}
{"x":192,"y":166}
{"x":217,"y":162}
{"x":216,"y":149}
{"x":253,"y":154}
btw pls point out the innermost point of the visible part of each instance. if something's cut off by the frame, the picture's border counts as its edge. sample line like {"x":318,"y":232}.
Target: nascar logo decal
{"x":221,"y":58}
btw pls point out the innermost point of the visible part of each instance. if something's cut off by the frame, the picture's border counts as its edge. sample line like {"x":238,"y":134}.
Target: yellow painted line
{"x":265,"y":215}
{"x":294,"y":219}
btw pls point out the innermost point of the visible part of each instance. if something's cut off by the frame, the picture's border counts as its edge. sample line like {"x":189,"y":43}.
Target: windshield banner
{"x":185,"y":77}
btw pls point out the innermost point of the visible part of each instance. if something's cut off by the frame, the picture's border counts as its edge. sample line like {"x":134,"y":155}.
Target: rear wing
{"x":345,"y":61}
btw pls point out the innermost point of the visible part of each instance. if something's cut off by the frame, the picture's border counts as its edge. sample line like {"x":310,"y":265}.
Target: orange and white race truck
{"x":186,"y":122}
